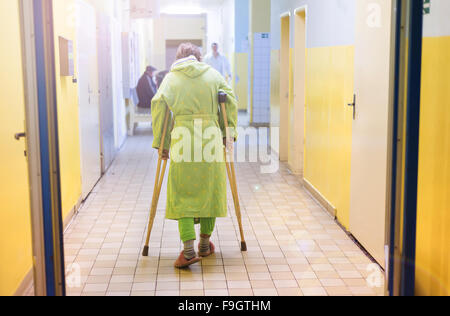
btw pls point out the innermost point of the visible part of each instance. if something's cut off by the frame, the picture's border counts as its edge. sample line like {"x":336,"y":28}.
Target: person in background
{"x":196,"y":190}
{"x":219,"y":62}
{"x":160,"y":77}
{"x":146,"y":88}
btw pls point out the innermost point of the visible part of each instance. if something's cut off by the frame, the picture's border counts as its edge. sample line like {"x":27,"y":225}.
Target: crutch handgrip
{"x":222,"y":97}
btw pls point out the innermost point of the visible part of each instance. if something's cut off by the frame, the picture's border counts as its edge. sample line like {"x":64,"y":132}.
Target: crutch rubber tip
{"x":243,"y":246}
{"x":145,"y":252}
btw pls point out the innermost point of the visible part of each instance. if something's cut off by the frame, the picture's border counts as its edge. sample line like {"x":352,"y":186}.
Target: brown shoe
{"x":212,"y":250}
{"x":182,"y":262}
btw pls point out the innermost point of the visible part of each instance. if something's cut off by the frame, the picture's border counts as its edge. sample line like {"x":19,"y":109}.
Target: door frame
{"x":412,"y":137}
{"x":297,"y":131}
{"x":285,"y":47}
{"x":42,"y":146}
{"x":396,"y":155}
{"x":33,"y":144}
{"x":405,"y":148}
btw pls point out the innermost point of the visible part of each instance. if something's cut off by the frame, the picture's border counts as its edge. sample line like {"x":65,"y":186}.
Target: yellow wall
{"x":68,"y":116}
{"x":15,"y":230}
{"x":433,"y":233}
{"x":328,"y":124}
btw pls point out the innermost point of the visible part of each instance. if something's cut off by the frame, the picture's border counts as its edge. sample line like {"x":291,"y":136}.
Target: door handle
{"x":354,"y":106}
{"x":18,"y":136}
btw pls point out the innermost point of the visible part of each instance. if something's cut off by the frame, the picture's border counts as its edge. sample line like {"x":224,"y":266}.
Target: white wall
{"x":330,"y":22}
{"x":220,"y":19}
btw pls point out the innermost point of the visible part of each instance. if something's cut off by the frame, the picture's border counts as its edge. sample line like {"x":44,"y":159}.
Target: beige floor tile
{"x":122,"y":279}
{"x":150,"y":286}
{"x":124,"y":271}
{"x":191,"y":277}
{"x":290,"y":292}
{"x":95,"y":288}
{"x":143,"y":293}
{"x":192,"y":293}
{"x":235,"y":269}
{"x":332,"y":282}
{"x":262,"y":284}
{"x":120,"y":287}
{"x":265,"y":292}
{"x":144,"y":278}
{"x":259,"y":276}
{"x":214,"y":285}
{"x":102,"y":279}
{"x":93,"y":294}
{"x":118,"y":294}
{"x":279,"y":268}
{"x":338,"y":291}
{"x":168,"y":278}
{"x":362,"y":291}
{"x":327,"y":275}
{"x":196,"y":285}
{"x":310,"y":283}
{"x":213,"y":269}
{"x":165,"y":286}
{"x":237,"y":276}
{"x":350,"y":274}
{"x":168,"y":293}
{"x":314,"y":291}
{"x":239,"y":285}
{"x":217,"y":292}
{"x":214,"y":277}
{"x":355,"y":282}
{"x":280,"y":284}
{"x":241,"y":292}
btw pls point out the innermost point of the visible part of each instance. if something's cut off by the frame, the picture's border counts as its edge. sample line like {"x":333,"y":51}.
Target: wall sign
{"x":426,"y":7}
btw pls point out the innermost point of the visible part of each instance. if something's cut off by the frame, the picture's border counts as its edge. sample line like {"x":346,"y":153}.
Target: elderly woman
{"x":197,"y":178}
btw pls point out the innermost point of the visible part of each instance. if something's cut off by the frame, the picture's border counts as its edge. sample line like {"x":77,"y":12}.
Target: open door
{"x":284,"y":85}
{"x":370,"y":126}
{"x":107,"y":132}
{"x":15,"y":230}
{"x":89,"y":106}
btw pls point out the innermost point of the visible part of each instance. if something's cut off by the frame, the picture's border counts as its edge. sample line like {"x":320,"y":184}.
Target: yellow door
{"x":370,"y":127}
{"x":15,"y":230}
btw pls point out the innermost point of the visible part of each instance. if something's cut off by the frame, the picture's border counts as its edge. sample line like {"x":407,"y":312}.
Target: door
{"x":89,"y":106}
{"x":120,"y":111}
{"x":370,"y":126}
{"x":107,"y":139}
{"x":15,"y":229}
{"x":284,"y":86}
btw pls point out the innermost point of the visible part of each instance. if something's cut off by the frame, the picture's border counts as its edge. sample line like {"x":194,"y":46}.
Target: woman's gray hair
{"x":188,"y":49}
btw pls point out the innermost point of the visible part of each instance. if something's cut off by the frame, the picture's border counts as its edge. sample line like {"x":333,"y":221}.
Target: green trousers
{"x":187,"y":228}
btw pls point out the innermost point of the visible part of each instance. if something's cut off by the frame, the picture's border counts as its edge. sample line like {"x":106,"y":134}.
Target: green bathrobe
{"x":197,"y":185}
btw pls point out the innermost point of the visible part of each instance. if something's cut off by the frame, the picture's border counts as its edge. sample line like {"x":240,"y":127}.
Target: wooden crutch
{"x":158,"y":184}
{"x":231,"y":169}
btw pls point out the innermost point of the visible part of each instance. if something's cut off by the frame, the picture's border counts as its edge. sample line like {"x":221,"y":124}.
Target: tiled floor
{"x":295,"y":247}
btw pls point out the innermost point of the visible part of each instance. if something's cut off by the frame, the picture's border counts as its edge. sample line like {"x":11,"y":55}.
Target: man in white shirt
{"x":219,"y":62}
